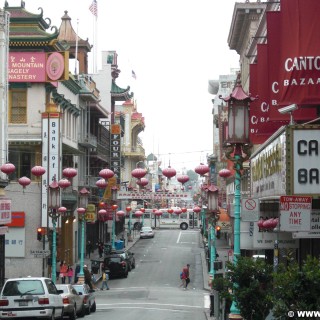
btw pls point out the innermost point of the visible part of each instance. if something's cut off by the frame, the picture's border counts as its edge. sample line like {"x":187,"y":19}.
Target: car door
{"x":54,"y":296}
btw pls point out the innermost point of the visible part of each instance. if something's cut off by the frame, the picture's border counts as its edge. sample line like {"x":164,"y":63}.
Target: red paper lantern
{"x":184,"y":210}
{"x":38,"y":171}
{"x":81,"y":211}
{"x":170,"y":210}
{"x":24,"y":181}
{"x":114,"y":207}
{"x":62,"y":209}
{"x":128,"y":209}
{"x":7,"y":168}
{"x":64,"y":183}
{"x":120,"y":213}
{"x":101,"y":205}
{"x":142,"y":182}
{"x":158,"y":213}
{"x":183,"y":178}
{"x":196,"y":209}
{"x":189,"y":187}
{"x":178,"y":211}
{"x":169,"y":172}
{"x":101,"y":183}
{"x":138,"y":213}
{"x":138,"y":173}
{"x":202,"y":169}
{"x":106,"y":173}
{"x":224,"y":173}
{"x":69,"y":172}
{"x":102,"y":212}
{"x":260,"y":223}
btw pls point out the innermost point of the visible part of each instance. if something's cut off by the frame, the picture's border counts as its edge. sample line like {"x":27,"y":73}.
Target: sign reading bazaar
{"x":287,"y":70}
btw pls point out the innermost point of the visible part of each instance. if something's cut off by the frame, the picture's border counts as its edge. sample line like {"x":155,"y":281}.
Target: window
{"x":18,"y":106}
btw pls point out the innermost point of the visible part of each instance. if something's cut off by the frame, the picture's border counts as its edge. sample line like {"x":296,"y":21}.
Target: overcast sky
{"x":174,"y":48}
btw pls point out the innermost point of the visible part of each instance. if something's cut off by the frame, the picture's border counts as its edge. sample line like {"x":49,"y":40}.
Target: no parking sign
{"x":250,"y":209}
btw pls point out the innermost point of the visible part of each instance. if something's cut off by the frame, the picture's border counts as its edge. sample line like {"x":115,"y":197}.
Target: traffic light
{"x":39,"y":234}
{"x":218,"y":231}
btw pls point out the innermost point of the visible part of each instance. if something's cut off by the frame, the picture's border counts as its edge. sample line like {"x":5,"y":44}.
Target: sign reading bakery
{"x":38,"y":66}
{"x":306,"y":160}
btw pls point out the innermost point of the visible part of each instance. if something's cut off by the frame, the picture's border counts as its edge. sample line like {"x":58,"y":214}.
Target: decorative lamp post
{"x":113,"y":236}
{"x":129,"y":211}
{"x":83,"y":202}
{"x":237,"y":149}
{"x":53,"y":205}
{"x":196,"y":211}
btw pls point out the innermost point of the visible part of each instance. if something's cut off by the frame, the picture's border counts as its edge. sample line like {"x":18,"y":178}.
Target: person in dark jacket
{"x":87,"y":276}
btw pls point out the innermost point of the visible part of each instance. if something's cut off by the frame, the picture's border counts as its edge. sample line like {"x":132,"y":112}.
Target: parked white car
{"x":146,"y":232}
{"x":31,"y":297}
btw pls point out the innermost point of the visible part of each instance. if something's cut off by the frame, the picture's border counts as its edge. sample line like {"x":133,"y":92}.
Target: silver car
{"x":30,"y":297}
{"x":88,"y":297}
{"x":72,"y":301}
{"x":146,"y":232}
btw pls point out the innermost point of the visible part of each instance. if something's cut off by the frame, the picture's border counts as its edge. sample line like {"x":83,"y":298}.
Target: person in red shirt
{"x":186,"y":275}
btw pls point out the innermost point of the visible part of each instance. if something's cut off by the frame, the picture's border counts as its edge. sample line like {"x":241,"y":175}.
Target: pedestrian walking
{"x":89,"y":248}
{"x":105,"y":278}
{"x":100,"y":248}
{"x":87,"y":276}
{"x":63,"y":271}
{"x":58,"y":270}
{"x":70,"y":274}
{"x":185,"y":276}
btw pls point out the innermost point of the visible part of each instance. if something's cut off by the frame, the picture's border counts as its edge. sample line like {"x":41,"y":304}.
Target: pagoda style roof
{"x":120,"y":94}
{"x":67,"y":33}
{"x":238,"y":93}
{"x":30,"y":30}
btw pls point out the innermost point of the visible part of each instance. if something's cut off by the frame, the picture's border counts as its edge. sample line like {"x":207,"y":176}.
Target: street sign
{"x":314,"y":227}
{"x":295,"y":213}
{"x":40,"y":253}
{"x":249,"y":209}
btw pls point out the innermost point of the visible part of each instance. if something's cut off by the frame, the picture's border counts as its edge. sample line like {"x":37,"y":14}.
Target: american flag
{"x":134,"y":75}
{"x":94,"y":8}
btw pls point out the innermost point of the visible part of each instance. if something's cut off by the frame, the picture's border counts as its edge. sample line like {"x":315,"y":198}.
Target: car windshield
{"x":79,"y":288}
{"x":23,"y":287}
{"x":62,"y":287}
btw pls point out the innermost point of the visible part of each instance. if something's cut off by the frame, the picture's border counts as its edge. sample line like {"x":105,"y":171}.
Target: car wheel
{"x":94,"y":307}
{"x":88,"y":310}
{"x":73,"y":314}
{"x":183,"y":226}
{"x":82,"y":312}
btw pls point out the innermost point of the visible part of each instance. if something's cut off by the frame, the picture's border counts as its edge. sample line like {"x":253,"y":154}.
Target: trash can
{"x":118,"y":245}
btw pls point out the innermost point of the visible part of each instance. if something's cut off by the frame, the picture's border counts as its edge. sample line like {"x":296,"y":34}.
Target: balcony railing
{"x":88,"y":140}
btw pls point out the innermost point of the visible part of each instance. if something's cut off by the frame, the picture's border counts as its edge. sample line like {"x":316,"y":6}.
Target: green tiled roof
{"x":29,"y":29}
{"x":120,"y":94}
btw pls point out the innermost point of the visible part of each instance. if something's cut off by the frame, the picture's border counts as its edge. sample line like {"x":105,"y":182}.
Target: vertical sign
{"x":295,"y":213}
{"x":5,"y":211}
{"x":116,"y":150}
{"x":51,"y":159}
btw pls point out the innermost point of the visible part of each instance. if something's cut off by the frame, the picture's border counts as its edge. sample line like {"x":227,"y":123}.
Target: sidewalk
{"x":222,"y":249}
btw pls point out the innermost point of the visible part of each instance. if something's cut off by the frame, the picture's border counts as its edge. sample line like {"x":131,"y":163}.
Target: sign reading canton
{"x":51,"y":148}
{"x":116,"y":150}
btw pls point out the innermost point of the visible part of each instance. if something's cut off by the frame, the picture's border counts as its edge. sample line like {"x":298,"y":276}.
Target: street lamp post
{"x":114,"y":209}
{"x":83,"y":202}
{"x":237,"y":149}
{"x":54,"y":204}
